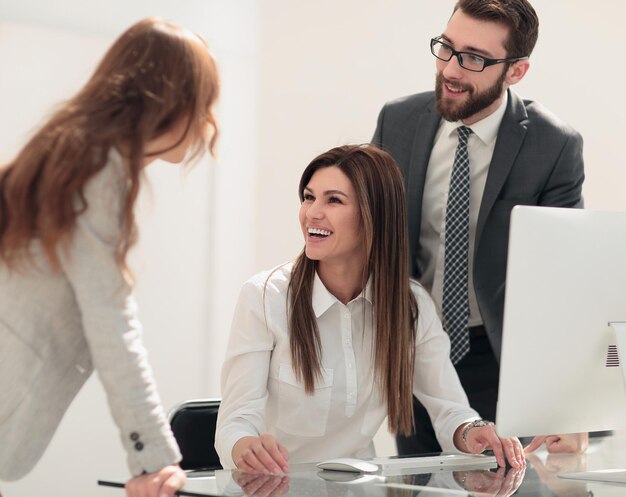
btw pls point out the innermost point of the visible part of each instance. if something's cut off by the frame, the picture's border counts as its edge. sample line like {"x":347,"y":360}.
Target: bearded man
{"x":469,"y":152}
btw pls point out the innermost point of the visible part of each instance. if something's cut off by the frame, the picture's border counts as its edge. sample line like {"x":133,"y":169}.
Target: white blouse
{"x":260,"y":393}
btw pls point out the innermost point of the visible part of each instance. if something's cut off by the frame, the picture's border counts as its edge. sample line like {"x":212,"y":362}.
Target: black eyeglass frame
{"x":459,"y":56}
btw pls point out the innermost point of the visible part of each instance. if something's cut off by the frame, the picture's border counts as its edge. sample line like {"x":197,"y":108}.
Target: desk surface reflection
{"x":538,"y":479}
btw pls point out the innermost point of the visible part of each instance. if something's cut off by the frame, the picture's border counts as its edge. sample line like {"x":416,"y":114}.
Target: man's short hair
{"x":518,"y":15}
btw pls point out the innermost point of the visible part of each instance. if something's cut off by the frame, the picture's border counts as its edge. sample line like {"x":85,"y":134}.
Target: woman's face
{"x":330,"y":219}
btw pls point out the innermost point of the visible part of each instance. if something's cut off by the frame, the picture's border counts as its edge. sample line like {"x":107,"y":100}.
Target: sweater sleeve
{"x":111,"y":327}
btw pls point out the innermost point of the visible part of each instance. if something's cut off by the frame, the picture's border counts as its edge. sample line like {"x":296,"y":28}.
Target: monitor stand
{"x":608,"y":475}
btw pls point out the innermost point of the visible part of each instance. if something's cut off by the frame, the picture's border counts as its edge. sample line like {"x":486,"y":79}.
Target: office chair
{"x":193,"y":423}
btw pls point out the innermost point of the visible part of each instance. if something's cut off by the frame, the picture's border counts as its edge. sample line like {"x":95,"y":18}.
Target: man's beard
{"x":450,"y":110}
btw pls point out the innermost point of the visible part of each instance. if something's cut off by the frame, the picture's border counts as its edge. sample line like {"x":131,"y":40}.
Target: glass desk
{"x":539,"y":479}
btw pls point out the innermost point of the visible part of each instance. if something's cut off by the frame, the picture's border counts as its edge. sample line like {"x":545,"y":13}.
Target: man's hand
{"x":561,"y":463}
{"x":571,"y":443}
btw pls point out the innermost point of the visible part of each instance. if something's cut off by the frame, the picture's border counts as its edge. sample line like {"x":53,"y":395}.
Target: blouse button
{"x":138,"y":446}
{"x":134,"y":436}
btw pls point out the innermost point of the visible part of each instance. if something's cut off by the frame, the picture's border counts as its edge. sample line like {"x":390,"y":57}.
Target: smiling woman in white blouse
{"x":322,"y":349}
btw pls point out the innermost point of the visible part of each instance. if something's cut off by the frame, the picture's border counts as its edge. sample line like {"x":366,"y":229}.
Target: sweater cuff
{"x":151,"y":456}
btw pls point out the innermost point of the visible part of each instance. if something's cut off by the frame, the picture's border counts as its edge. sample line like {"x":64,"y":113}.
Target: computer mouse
{"x":349,"y":465}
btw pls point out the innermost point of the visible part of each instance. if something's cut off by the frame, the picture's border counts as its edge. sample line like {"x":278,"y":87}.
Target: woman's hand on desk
{"x":475,"y":438}
{"x":261,"y":485}
{"x":162,"y":483}
{"x":260,"y":455}
{"x":571,"y":443}
{"x":501,"y":483}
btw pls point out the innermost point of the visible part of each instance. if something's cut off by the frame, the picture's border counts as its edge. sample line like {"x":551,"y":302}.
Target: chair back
{"x":193,"y":423}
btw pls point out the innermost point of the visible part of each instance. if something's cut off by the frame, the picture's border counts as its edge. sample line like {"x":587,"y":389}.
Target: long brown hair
{"x":380,"y":195}
{"x":155,"y":74}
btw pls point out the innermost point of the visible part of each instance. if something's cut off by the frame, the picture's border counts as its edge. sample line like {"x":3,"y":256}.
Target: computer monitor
{"x":565,"y":306}
{"x":564,"y":331}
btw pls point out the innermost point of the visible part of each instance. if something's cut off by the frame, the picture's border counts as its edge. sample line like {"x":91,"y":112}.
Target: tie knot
{"x":463,"y":132}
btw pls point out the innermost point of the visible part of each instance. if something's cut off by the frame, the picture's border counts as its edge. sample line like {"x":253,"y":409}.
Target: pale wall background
{"x":298,"y":78}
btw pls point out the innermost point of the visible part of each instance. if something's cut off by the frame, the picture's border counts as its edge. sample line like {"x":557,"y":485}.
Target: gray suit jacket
{"x":56,"y":326}
{"x":537,"y":160}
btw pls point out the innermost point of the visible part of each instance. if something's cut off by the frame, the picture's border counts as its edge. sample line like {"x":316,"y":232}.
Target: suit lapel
{"x":425,"y":130}
{"x":510,"y":138}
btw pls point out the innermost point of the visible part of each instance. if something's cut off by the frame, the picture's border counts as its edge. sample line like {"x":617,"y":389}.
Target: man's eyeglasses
{"x":467,"y":60}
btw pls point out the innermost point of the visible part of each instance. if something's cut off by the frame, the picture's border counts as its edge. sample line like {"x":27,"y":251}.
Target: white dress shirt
{"x":260,"y":393}
{"x":480,"y":146}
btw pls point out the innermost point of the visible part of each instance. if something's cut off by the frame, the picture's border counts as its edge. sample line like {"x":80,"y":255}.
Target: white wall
{"x":298,"y":78}
{"x":327,"y":68}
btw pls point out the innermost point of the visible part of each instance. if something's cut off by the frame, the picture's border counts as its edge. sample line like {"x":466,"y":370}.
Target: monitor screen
{"x":566,"y":282}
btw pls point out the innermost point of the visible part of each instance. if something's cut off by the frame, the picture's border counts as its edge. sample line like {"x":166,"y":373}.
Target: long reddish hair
{"x":155,"y":74}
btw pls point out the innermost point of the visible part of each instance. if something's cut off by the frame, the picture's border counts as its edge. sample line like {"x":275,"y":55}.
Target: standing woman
{"x":323,"y":349}
{"x":66,"y":226}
